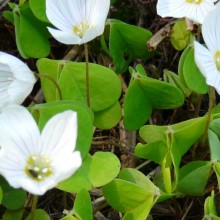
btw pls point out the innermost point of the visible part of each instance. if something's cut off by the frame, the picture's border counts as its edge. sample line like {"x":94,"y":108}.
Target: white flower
{"x":16,"y":80}
{"x":196,"y":10}
{"x":208,"y":59}
{"x":33,"y":161}
{"x":77,"y":21}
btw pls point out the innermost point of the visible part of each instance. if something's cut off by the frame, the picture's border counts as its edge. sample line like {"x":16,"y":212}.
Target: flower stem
{"x":87,"y":74}
{"x":53,"y":81}
{"x":209,"y":114}
{"x":34,"y":206}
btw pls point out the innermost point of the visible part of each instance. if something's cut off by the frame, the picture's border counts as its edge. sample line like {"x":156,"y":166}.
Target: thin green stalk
{"x":209,"y":114}
{"x":64,"y":200}
{"x":87,"y":74}
{"x":34,"y":206}
{"x":198,"y":105}
{"x":53,"y":81}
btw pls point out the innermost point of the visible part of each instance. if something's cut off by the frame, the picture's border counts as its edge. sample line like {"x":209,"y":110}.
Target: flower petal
{"x":6,"y":78}
{"x":210,"y":30}
{"x":12,"y":169}
{"x":96,"y":12}
{"x":182,"y":8}
{"x":18,"y":91}
{"x":65,"y":37}
{"x":19,"y":69}
{"x":206,"y":64}
{"x":59,"y":134}
{"x":171,"y":8}
{"x":60,"y":14}
{"x":92,"y":33}
{"x":16,"y":80}
{"x":66,"y":165}
{"x":31,"y":186}
{"x":18,"y":132}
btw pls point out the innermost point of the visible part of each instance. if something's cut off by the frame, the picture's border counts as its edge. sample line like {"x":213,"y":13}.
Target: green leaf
{"x":126,"y":43}
{"x":180,"y":36}
{"x":175,"y":80}
{"x":29,"y":29}
{"x":52,"y":69}
{"x":155,"y":151}
{"x":71,"y":78}
{"x":214,"y":145}
{"x":40,"y":214}
{"x":188,"y":132}
{"x":216,"y":167}
{"x":9,"y":16}
{"x":108,"y":118}
{"x":84,"y":117}
{"x":83,"y":205}
{"x":161,"y":94}
{"x":105,"y":166}
{"x":12,"y":198}
{"x":151,"y":133}
{"x":13,"y":214}
{"x":215,"y":126}
{"x":21,"y":2}
{"x":210,"y":217}
{"x":125,"y":196}
{"x":69,"y":217}
{"x":38,"y":8}
{"x":137,"y":108}
{"x":193,"y":177}
{"x":181,"y":63}
{"x":140,"y":69}
{"x":95,"y":171}
{"x":209,"y":206}
{"x":216,"y":110}
{"x":138,"y":178}
{"x":133,"y":194}
{"x":140,"y":212}
{"x":1,"y":194}
{"x":192,"y":75}
{"x":145,"y":93}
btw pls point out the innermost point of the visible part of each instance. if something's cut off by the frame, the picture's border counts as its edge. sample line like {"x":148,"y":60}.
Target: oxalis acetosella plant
{"x":77,"y":22}
{"x":109,"y":109}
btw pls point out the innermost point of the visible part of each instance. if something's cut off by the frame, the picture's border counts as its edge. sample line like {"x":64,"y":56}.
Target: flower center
{"x":81,"y":29}
{"x":197,"y":2}
{"x":217,"y":60}
{"x":38,"y":167}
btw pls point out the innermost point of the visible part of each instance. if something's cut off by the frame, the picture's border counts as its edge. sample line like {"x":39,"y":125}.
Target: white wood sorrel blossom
{"x":77,"y":21}
{"x":16,"y":80}
{"x":208,"y":59}
{"x":195,"y":10}
{"x":33,"y":161}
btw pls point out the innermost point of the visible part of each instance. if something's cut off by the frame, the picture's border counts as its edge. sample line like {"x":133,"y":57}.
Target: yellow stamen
{"x":38,"y":168}
{"x":81,"y":29}
{"x":197,"y":2}
{"x":217,"y":60}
